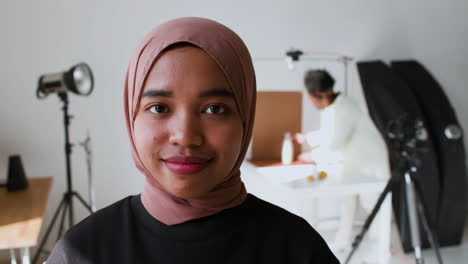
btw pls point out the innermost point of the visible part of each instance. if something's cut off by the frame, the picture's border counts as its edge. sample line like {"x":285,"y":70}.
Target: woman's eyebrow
{"x":157,"y":93}
{"x":217,"y":92}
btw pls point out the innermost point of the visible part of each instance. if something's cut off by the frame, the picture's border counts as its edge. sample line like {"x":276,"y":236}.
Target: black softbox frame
{"x":388,"y":98}
{"x":439,"y":115}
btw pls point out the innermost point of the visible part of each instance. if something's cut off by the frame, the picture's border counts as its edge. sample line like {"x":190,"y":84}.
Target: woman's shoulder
{"x":103,"y":221}
{"x":345,"y":101}
{"x":274,"y":214}
{"x":98,"y":228}
{"x":294,"y":233}
{"x":105,"y":217}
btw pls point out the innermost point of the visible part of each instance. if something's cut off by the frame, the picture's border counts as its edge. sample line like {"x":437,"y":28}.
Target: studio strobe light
{"x":78,"y":79}
{"x":292,"y":56}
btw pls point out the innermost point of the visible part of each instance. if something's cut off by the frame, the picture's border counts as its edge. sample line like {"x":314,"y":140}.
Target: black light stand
{"x":408,"y":161}
{"x":416,"y":210}
{"x":66,"y":204}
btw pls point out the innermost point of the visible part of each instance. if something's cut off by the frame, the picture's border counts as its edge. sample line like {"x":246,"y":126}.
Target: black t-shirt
{"x":253,"y":232}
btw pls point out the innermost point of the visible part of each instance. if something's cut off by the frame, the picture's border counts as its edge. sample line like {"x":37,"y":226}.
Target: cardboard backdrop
{"x":276,"y":114}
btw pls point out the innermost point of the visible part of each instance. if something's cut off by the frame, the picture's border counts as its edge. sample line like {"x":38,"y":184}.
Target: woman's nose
{"x":185,"y":130}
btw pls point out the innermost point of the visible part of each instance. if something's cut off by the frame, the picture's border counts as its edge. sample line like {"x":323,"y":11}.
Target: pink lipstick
{"x":186,"y":164}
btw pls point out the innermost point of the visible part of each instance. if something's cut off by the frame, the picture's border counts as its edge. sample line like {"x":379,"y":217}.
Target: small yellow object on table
{"x":322,"y":175}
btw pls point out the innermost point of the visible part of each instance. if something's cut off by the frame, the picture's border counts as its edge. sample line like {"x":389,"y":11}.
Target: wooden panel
{"x":22,"y":212}
{"x":276,"y":113}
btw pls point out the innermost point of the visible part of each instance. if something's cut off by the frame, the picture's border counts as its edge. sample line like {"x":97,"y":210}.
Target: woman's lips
{"x":186,"y":164}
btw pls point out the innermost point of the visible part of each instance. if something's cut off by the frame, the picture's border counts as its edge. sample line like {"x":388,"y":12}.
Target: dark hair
{"x":180,"y":45}
{"x":318,"y":81}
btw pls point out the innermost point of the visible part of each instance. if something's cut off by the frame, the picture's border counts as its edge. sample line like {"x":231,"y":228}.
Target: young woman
{"x":349,"y":136}
{"x":190,"y":97}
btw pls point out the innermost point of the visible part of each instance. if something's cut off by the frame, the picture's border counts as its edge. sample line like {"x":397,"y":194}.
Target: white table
{"x":273,"y":184}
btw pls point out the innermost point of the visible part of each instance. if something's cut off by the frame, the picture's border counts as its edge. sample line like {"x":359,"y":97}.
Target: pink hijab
{"x":232,"y":56}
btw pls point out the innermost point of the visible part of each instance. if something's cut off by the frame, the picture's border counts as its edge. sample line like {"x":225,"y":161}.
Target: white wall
{"x":50,"y":35}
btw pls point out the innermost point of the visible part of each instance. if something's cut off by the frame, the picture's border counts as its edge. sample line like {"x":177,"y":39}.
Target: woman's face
{"x":188,"y":130}
{"x":321,"y":100}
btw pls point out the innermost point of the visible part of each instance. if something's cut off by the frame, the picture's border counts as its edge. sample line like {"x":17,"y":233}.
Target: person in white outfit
{"x":347,"y":136}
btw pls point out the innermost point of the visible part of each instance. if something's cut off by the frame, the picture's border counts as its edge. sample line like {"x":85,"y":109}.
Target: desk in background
{"x":269,"y":183}
{"x":21,"y":217}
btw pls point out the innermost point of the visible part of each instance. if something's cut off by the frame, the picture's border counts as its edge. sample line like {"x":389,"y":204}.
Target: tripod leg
{"x":62,"y":221}
{"x":430,"y":234}
{"x":422,"y":210}
{"x":369,"y":220}
{"x":83,"y":202}
{"x":413,"y":219}
{"x":70,"y":210}
{"x":44,"y":239}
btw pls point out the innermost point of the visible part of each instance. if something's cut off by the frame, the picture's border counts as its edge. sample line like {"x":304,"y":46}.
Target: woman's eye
{"x":215,"y":109}
{"x":159,"y":109}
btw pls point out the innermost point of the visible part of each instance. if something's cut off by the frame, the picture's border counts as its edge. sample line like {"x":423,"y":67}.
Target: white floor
{"x":450,"y":255}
